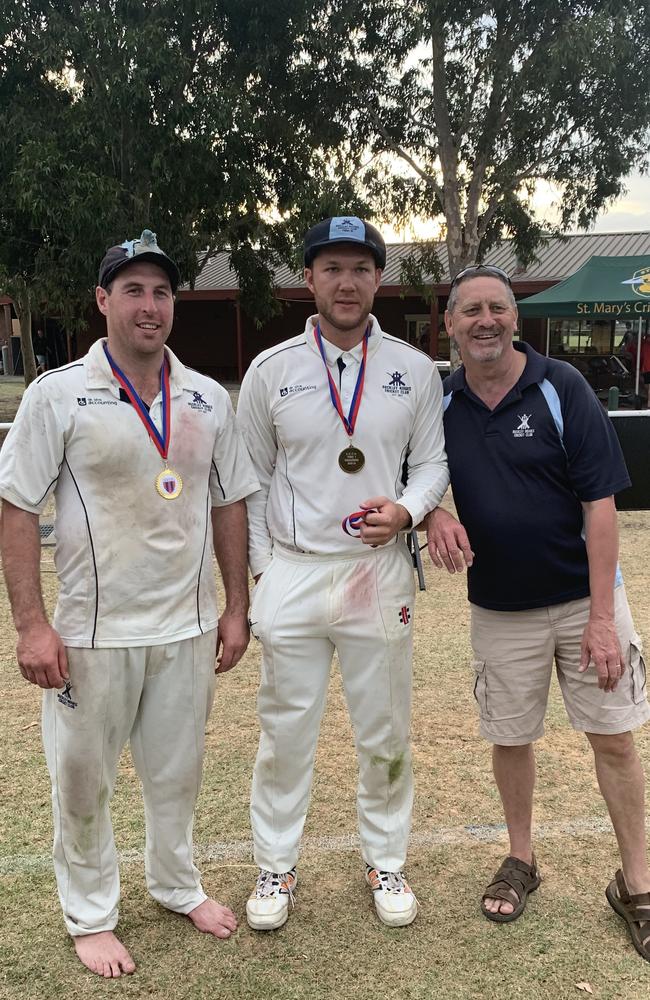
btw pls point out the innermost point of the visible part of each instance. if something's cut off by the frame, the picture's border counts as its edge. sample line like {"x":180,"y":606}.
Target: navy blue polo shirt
{"x":518,"y":475}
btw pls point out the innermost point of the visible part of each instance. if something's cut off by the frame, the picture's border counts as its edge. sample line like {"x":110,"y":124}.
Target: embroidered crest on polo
{"x":523,"y":429}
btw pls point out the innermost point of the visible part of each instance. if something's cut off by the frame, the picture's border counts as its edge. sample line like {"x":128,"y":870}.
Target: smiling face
{"x":139,"y":311}
{"x":343,"y":280}
{"x":483,"y":320}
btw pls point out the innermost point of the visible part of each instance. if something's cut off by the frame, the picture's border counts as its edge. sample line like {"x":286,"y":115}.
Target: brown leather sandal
{"x":512,"y":884}
{"x":635,"y":910}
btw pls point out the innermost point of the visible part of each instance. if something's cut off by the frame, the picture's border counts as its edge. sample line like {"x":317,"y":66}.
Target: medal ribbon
{"x":351,"y":419}
{"x":161,"y":441}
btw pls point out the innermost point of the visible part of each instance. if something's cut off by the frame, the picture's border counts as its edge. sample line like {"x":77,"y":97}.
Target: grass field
{"x":333,"y":947}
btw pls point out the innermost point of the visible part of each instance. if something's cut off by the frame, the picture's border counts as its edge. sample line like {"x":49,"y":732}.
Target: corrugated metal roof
{"x":556,"y":259}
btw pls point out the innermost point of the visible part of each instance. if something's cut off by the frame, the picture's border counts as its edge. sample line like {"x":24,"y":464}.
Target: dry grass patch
{"x":333,"y":948}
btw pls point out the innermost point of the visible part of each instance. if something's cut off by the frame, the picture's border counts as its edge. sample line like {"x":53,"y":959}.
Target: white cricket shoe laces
{"x":394,"y":899}
{"x":268,"y":905}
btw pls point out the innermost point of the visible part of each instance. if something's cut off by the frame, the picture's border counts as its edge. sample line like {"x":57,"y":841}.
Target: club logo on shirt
{"x":291,"y":390}
{"x":197,"y":402}
{"x":397,"y":386}
{"x":65,"y":697}
{"x":404,"y":615}
{"x":523,"y":430}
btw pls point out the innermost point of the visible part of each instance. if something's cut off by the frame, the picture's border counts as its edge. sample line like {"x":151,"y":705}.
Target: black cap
{"x":345,"y":229}
{"x":135,"y":251}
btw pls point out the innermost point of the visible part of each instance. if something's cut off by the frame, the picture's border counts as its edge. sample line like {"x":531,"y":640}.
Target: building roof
{"x":556,"y":259}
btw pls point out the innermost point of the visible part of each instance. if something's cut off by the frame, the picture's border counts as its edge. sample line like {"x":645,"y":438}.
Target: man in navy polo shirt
{"x":534,"y":466}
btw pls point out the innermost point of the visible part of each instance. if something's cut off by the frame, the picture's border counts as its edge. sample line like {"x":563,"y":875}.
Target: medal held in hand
{"x":351,"y":459}
{"x":168,"y":483}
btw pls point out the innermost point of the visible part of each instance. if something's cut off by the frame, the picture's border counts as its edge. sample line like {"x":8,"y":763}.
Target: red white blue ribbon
{"x":352,"y":523}
{"x":161,"y":441}
{"x":351,"y":419}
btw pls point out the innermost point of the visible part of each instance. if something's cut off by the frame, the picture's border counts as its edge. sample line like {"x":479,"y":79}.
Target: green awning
{"x":603,"y":288}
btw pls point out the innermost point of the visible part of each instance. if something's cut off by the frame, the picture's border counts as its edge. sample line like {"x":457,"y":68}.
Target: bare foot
{"x":213,"y":918}
{"x":104,"y":955}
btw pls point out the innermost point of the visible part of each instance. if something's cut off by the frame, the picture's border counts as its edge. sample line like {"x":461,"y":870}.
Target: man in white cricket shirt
{"x":344,"y":426}
{"x":148,"y":473}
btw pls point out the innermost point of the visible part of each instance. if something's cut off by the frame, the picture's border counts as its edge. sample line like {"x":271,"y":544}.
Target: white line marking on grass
{"x":242,"y":850}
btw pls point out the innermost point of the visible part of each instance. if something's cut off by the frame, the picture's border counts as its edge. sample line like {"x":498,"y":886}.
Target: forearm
{"x":21,"y":560}
{"x":230,"y":537}
{"x":601,"y":539}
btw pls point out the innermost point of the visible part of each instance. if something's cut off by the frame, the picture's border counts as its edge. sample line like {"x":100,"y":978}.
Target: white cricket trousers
{"x":304,"y":607}
{"x":159,"y":697}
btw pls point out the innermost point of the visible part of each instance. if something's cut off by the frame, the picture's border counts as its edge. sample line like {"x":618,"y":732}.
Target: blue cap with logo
{"x":133,"y":252}
{"x":344,"y":229}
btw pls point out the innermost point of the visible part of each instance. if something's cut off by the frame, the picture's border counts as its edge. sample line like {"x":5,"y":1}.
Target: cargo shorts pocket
{"x":637,"y":671}
{"x":481,"y":687}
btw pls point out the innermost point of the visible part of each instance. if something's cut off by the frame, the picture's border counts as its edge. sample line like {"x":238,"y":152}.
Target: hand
{"x":448,"y":542}
{"x":384,"y":522}
{"x":232,"y":639}
{"x":41,"y":656}
{"x":601,"y":647}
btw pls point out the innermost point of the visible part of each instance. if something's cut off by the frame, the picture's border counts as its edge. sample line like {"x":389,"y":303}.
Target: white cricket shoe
{"x":268,"y":905}
{"x":395,"y":902}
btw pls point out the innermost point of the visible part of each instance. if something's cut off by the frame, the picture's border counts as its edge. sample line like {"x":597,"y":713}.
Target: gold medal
{"x":352,"y":459}
{"x":169,"y":484}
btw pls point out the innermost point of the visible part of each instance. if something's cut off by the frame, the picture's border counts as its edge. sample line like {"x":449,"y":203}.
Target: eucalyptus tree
{"x":459,"y":110}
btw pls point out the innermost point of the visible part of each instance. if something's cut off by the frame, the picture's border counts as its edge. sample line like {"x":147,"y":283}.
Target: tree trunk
{"x":460,"y":256}
{"x":23,"y":308}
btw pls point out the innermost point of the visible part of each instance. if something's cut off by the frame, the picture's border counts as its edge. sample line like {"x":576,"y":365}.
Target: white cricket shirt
{"x":294,"y":436}
{"x":134,"y":569}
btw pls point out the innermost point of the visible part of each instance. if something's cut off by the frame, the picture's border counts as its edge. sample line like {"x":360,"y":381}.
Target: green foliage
{"x":482,"y":101}
{"x":188,"y":119}
{"x":237,"y":124}
{"x":421,"y":268}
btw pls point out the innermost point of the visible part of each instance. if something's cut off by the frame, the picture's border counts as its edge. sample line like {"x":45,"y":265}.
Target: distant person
{"x":148,"y":473}
{"x":534,"y":465}
{"x":645,"y":365}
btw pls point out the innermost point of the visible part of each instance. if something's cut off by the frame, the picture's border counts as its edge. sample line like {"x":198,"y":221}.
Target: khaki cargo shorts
{"x":513,"y":661}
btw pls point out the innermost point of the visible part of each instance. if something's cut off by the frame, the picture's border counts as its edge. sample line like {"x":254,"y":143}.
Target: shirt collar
{"x":535,"y":371}
{"x":100,"y":376}
{"x":333,"y":353}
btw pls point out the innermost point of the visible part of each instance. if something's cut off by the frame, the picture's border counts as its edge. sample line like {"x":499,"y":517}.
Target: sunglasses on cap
{"x":477,"y":270}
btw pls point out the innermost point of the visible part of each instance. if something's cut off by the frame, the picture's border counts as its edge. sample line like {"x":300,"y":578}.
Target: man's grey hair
{"x":453,"y":294}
